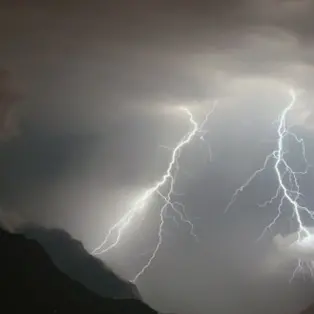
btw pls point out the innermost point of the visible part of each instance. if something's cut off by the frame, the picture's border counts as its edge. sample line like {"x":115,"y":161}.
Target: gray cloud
{"x":8,"y":110}
{"x":121,"y":56}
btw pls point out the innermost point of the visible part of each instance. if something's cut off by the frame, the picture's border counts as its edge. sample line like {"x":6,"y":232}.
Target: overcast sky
{"x":99,"y":86}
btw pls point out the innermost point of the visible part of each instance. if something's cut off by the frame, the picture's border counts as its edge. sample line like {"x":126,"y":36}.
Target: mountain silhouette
{"x":29,"y":281}
{"x":71,"y":258}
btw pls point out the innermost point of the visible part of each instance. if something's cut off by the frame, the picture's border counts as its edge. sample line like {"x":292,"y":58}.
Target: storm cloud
{"x":101,"y":84}
{"x":118,"y":56}
{"x":8,"y":107}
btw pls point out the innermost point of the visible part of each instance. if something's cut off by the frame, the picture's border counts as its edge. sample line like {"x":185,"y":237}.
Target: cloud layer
{"x":8,"y":107}
{"x":119,"y":56}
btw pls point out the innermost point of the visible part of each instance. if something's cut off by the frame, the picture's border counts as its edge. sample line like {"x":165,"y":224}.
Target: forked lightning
{"x":288,"y":190}
{"x":167,"y":182}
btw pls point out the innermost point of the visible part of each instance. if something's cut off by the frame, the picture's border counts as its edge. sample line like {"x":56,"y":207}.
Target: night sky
{"x":98,"y":85}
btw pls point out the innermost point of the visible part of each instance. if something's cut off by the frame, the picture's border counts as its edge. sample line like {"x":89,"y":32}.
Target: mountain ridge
{"x":29,"y":281}
{"x":70,"y":256}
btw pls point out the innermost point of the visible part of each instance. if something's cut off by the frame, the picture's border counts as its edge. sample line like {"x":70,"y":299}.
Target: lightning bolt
{"x":288,"y":190}
{"x":167,"y":181}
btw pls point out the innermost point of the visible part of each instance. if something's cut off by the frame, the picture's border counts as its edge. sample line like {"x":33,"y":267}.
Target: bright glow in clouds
{"x":167,"y":183}
{"x":291,"y":248}
{"x":288,"y":190}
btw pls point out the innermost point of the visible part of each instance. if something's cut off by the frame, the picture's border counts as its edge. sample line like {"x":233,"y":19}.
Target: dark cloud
{"x":8,"y":109}
{"x":9,"y":128}
{"x":121,"y":55}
